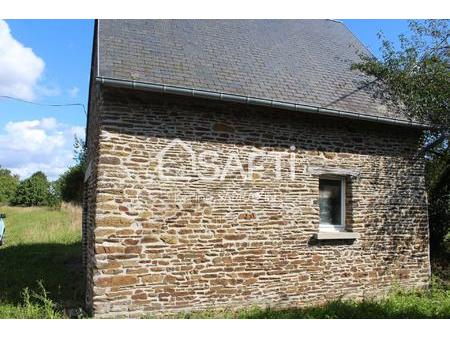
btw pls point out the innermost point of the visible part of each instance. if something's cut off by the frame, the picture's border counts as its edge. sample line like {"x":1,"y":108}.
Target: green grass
{"x":41,"y":277}
{"x":42,"y":246}
{"x":433,"y":303}
{"x":34,"y":306}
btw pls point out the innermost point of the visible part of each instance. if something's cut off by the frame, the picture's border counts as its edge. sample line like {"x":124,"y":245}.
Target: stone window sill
{"x":330,"y":235}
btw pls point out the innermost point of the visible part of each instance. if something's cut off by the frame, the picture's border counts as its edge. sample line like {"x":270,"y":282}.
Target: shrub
{"x":71,"y":184}
{"x":8,"y":185}
{"x":33,"y":191}
{"x":54,"y":196}
{"x":438,"y":186}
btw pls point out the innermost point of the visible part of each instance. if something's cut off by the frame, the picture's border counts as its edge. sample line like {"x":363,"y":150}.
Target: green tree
{"x":71,"y":181}
{"x":438,"y":186}
{"x":54,"y":195}
{"x":71,"y":184}
{"x":33,"y":191}
{"x":8,"y":185}
{"x":80,"y":153}
{"x":413,"y":79}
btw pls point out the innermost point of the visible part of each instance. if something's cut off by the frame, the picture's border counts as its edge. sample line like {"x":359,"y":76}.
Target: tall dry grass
{"x":43,"y":225}
{"x":75,"y":215}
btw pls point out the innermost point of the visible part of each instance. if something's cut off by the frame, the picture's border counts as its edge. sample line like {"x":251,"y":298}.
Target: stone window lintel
{"x":325,"y":170}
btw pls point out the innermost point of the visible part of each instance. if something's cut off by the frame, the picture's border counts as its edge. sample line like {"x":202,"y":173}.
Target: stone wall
{"x":164,"y":245}
{"x":90,"y":197}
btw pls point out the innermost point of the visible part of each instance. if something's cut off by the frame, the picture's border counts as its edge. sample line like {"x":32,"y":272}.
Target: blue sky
{"x":48,"y":61}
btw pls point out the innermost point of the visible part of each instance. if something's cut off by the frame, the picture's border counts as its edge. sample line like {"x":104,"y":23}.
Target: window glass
{"x":330,"y":201}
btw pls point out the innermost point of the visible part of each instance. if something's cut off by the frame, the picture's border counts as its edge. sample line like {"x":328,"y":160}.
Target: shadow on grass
{"x":57,"y":265}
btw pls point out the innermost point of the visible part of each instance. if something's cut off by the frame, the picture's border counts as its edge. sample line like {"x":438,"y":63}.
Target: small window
{"x":332,"y":203}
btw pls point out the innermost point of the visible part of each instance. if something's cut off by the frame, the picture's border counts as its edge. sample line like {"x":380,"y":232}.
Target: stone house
{"x":238,"y":163}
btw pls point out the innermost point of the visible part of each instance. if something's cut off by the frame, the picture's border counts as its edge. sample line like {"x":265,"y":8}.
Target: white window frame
{"x":335,"y":227}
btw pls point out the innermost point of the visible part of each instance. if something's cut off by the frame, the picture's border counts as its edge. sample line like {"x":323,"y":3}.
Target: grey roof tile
{"x":298,"y":61}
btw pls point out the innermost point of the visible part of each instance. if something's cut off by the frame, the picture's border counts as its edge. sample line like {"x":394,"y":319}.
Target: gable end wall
{"x":159,"y":247}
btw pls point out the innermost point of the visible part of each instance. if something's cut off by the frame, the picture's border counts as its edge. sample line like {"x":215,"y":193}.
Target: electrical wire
{"x":46,"y":104}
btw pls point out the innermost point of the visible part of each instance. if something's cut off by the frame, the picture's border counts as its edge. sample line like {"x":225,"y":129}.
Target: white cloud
{"x":77,"y":130}
{"x":52,"y":90}
{"x":20,"y":68}
{"x":32,"y":145}
{"x":73,"y":92}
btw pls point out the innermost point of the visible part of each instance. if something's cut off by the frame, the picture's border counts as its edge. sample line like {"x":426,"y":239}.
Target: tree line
{"x":37,"y":190}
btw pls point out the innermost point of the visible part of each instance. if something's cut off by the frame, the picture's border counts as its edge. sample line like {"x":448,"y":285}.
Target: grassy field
{"x":41,"y":277}
{"x":42,"y":251}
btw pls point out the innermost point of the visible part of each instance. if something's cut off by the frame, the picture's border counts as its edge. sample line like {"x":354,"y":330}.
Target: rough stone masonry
{"x":157,"y":246}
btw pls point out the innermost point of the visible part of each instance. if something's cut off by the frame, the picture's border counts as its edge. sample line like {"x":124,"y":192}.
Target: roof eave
{"x":213,"y":95}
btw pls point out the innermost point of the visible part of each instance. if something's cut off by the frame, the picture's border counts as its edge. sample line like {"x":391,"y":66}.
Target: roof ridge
{"x":335,"y":20}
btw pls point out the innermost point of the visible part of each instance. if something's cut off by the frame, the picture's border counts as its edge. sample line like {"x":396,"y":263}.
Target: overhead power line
{"x":46,"y":104}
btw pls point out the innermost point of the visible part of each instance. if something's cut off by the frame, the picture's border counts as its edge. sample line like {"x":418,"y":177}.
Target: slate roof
{"x":297,"y":61}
